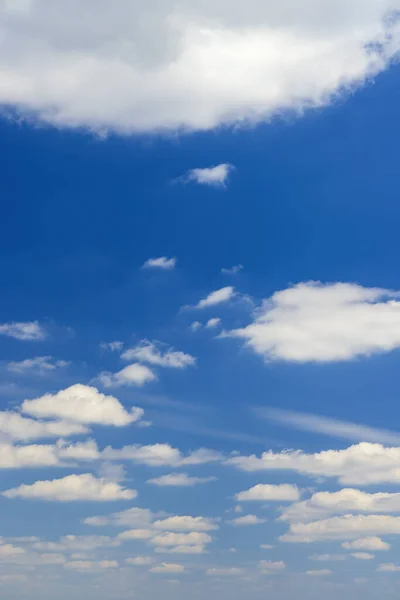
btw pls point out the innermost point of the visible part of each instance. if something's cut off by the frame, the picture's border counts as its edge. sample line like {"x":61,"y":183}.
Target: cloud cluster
{"x":158,"y":64}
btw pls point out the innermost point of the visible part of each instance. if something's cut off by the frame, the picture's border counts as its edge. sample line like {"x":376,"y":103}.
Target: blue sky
{"x":200,"y":316}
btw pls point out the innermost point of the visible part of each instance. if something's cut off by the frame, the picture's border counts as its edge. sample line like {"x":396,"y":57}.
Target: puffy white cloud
{"x":194,"y":538}
{"x":179,"y":480}
{"x":7,"y":550}
{"x":40,"y":365}
{"x":158,"y":455}
{"x":18,"y":457}
{"x":216,"y":176}
{"x":186,"y":523}
{"x":164,"y":263}
{"x":139,"y":561}
{"x":18,"y":428}
{"x":135,"y":374}
{"x":260,"y":492}
{"x":324,"y":504}
{"x":312,"y":322}
{"x":342,"y":528}
{"x":367,"y":543}
{"x":212,"y":323}
{"x":30,"y":331}
{"x":152,"y":353}
{"x":197,"y":549}
{"x":72,"y":488}
{"x":363,"y":556}
{"x":82,"y":404}
{"x":218,"y":297}
{"x":247,"y":520}
{"x":133,"y":517}
{"x":327,"y":426}
{"x":136,"y":534}
{"x":168,"y":568}
{"x":158,"y":64}
{"x":77,"y":543}
{"x":319,"y":573}
{"x":224,"y":572}
{"x":361,"y":464}
{"x":388,"y":568}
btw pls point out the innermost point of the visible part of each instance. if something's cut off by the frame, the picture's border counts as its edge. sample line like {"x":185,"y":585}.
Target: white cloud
{"x":179,"y":480}
{"x":40,"y":365}
{"x":247,"y":520}
{"x":115,"y":346}
{"x":218,"y":297}
{"x":72,"y":488}
{"x":18,"y":428}
{"x":91,"y":565}
{"x":193,"y":538}
{"x":224,"y":572}
{"x":270,"y":566}
{"x":133,"y":517}
{"x":232,"y":270}
{"x":186,"y":523}
{"x":363,"y":556}
{"x":76,"y":543}
{"x":367,"y":543}
{"x":82,"y":404}
{"x":10,"y":550}
{"x":328,"y":426}
{"x":136,"y":534}
{"x":324,"y":504}
{"x":266,"y":546}
{"x":328,"y":557}
{"x":137,"y":375}
{"x":30,"y":331}
{"x":196,"y":325}
{"x":212,"y":323}
{"x":139,"y":561}
{"x":362,"y":464}
{"x":18,"y":457}
{"x":313,"y":322}
{"x":342,"y":528}
{"x":388,"y":568}
{"x":216,"y":176}
{"x":164,"y":65}
{"x":260,"y":492}
{"x":163,"y":262}
{"x":319,"y":573}
{"x":158,"y":455}
{"x":150,"y":352}
{"x":197,"y":549}
{"x":168,"y":568}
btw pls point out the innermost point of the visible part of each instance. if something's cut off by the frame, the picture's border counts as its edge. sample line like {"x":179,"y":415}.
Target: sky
{"x":200,"y":300}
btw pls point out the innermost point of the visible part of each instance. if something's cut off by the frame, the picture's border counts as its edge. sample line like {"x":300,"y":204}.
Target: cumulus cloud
{"x":139,"y":561}
{"x":328,"y":426}
{"x":136,"y":534}
{"x":72,"y":488}
{"x":19,"y":428}
{"x":342,"y":528}
{"x":136,"y":375}
{"x":218,"y":297}
{"x":260,"y":492}
{"x":82,"y":404}
{"x":186,"y":523}
{"x":185,"y":74}
{"x":324,"y":504}
{"x":313,"y":322}
{"x":152,"y":353}
{"x":158,"y":455}
{"x":247,"y":520}
{"x":19,"y":457}
{"x":362,"y":464}
{"x":30,"y":331}
{"x":163,"y":262}
{"x":216,"y":176}
{"x":224,"y":572}
{"x":40,"y":365}
{"x":193,"y":538}
{"x":367,"y":543}
{"x":363,"y":556}
{"x":179,"y":480}
{"x":133,"y":517}
{"x":168,"y":568}
{"x":388,"y":568}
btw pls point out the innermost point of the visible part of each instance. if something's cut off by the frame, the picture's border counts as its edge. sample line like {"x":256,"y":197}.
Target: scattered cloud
{"x":91,"y":565}
{"x":270,"y":566}
{"x":139,"y":561}
{"x":76,"y":543}
{"x":72,"y":488}
{"x":212,"y":323}
{"x":218,"y":297}
{"x":136,"y":534}
{"x":247,"y":520}
{"x":40,"y":365}
{"x":216,"y":176}
{"x":163,"y":262}
{"x":115,"y":346}
{"x":224,"y":572}
{"x":168,"y":568}
{"x":192,"y":539}
{"x":133,"y":517}
{"x":262,"y":492}
{"x":328,"y":557}
{"x":179,"y":480}
{"x":363,"y":556}
{"x":232,"y":270}
{"x":186,"y":523}
{"x":152,"y":353}
{"x":82,"y":404}
{"x":362,"y":464}
{"x":315,"y":322}
{"x":196,"y":325}
{"x":367,"y":543}
{"x":136,"y":375}
{"x":319,"y":573}
{"x":18,"y":428}
{"x":29,"y":331}
{"x":159,"y":455}
{"x":328,"y":426}
{"x":388,"y":568}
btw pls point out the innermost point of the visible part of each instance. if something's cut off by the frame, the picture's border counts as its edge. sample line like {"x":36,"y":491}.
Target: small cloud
{"x":168,"y":568}
{"x":363,"y":556}
{"x":232,"y":270}
{"x":224,"y":572}
{"x":167,"y":264}
{"x":139,"y":561}
{"x":179,"y":480}
{"x":319,"y":573}
{"x":196,"y":325}
{"x":212,"y":323}
{"x":152,"y":353}
{"x":137,"y":375}
{"x":218,"y":297}
{"x":24,"y":331}
{"x":40,"y":365}
{"x":246,"y":520}
{"x":113,"y":346}
{"x":216,"y":176}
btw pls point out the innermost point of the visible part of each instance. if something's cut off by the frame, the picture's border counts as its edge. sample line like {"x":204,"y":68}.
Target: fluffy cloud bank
{"x":156,"y":64}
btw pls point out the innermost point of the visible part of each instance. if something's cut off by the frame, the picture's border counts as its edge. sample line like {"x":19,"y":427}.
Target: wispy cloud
{"x":24,"y":331}
{"x":162,"y":262}
{"x":216,"y":176}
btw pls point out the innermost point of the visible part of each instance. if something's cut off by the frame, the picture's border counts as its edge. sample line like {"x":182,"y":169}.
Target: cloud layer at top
{"x":156,"y":64}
